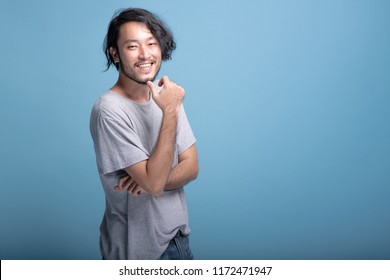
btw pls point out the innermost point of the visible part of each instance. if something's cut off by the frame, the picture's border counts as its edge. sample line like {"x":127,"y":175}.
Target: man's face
{"x":139,"y":52}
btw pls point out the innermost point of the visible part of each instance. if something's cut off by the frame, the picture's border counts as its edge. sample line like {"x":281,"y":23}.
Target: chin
{"x":151,"y":78}
{"x":145,"y":81}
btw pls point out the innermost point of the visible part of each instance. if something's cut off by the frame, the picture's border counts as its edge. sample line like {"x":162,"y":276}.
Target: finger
{"x":132,"y":184}
{"x":153,"y":89}
{"x":120,"y":184}
{"x":164,"y":80}
{"x":123,"y":181}
{"x":136,"y":191}
{"x":120,"y":187}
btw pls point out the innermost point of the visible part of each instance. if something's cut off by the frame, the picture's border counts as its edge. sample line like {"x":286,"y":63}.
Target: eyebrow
{"x":136,"y":41}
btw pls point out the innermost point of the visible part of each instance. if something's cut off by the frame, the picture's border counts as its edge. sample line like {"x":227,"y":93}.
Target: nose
{"x":143,"y":53}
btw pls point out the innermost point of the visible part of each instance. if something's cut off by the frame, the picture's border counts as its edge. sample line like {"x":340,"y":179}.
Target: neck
{"x":130,"y":89}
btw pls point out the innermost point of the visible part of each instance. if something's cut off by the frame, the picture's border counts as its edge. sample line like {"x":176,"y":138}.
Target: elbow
{"x":195,"y":171}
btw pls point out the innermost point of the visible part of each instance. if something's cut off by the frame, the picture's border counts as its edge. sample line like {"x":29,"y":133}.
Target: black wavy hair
{"x":156,"y":26}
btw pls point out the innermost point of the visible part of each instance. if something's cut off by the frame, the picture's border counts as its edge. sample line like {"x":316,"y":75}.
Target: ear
{"x":114,"y":54}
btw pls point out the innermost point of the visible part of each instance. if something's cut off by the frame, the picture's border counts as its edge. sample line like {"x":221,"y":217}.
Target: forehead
{"x":134,"y":31}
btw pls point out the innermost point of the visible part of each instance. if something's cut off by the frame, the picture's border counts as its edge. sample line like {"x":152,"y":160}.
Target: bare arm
{"x":152,"y":175}
{"x":185,"y":171}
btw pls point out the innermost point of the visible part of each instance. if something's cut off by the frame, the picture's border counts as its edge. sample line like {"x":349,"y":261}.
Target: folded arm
{"x":184,"y":172}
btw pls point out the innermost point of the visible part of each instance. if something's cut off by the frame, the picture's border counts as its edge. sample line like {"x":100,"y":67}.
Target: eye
{"x":131,"y":47}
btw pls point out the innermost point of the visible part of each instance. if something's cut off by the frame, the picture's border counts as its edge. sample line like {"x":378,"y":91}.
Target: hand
{"x":170,"y":97}
{"x":128,"y":184}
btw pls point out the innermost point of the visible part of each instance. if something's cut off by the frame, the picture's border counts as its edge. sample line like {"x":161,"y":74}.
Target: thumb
{"x":153,"y":89}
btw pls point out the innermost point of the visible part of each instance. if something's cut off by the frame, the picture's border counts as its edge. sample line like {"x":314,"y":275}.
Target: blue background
{"x":289,"y":101}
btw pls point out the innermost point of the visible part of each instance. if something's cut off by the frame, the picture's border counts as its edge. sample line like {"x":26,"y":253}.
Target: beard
{"x":132,"y":76}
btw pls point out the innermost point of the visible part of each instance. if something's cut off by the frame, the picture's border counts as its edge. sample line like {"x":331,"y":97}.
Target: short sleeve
{"x":185,"y":135}
{"x":117,"y":146}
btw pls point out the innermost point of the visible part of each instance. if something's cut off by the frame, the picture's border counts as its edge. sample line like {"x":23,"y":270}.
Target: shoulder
{"x":109,"y":105}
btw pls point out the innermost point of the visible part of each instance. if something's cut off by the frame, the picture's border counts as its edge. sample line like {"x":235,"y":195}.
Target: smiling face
{"x":138,"y":53}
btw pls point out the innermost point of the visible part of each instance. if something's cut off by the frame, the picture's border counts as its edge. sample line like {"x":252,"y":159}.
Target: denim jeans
{"x":178,"y":249}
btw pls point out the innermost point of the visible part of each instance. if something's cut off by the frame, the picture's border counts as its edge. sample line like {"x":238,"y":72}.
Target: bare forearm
{"x":159,"y":165}
{"x":185,"y":171}
{"x":181,"y":174}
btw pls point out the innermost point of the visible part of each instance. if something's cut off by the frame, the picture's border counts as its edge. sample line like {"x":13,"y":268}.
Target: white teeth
{"x":144,"y":65}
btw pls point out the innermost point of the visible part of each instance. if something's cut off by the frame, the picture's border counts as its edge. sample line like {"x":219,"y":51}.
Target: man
{"x":144,"y":145}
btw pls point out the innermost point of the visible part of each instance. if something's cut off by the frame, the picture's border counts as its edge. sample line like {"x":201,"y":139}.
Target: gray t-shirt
{"x":125,"y":133}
